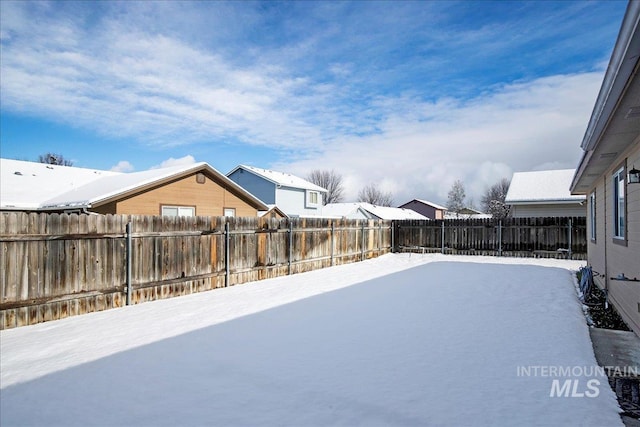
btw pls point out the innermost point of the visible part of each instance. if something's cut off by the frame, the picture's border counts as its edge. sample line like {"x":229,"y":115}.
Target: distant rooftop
{"x":39,"y":186}
{"x":281,"y":178}
{"x":26,"y":185}
{"x":542,"y":186}
{"x":435,"y":205}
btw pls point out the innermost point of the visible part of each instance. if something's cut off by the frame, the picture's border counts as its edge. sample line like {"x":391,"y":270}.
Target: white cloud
{"x":170,"y":162}
{"x":424,"y":147}
{"x":123,"y":166}
{"x":329,"y":98}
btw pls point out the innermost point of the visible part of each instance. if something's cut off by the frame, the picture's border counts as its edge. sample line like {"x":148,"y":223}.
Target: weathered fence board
{"x":59,"y":265}
{"x":540,"y":237}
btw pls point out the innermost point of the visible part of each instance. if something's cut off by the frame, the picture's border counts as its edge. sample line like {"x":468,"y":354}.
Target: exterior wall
{"x":611,"y":257}
{"x":259,"y":187}
{"x":422,"y":209}
{"x":548,"y":210}
{"x":209,"y":199}
{"x":292,"y":201}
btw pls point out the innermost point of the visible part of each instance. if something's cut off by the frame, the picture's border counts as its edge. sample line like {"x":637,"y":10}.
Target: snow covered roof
{"x":108,"y":187}
{"x":434,"y":205}
{"x":26,"y":185}
{"x":388,"y":212}
{"x":344,"y":210}
{"x":272,"y":208}
{"x":73,"y":188}
{"x":281,"y":178}
{"x":550,"y":186}
{"x":367,"y":210}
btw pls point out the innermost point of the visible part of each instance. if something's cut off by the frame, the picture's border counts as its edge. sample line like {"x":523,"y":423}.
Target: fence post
{"x":500,"y":238}
{"x":395,"y":228}
{"x":333,"y":229}
{"x":442,"y":243}
{"x":362,"y":254}
{"x":570,"y":238}
{"x":290,"y":244}
{"x":227,"y":251}
{"x":129,"y":261}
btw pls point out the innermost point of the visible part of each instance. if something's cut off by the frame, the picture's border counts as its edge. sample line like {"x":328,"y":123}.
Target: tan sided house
{"x":608,"y":175}
{"x":196,"y":189}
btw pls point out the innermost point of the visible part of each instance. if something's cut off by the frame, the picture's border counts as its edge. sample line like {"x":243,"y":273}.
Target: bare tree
{"x":493,"y":199}
{"x":455,"y":200}
{"x":329,"y":180}
{"x":54,"y":159}
{"x":372,"y":194}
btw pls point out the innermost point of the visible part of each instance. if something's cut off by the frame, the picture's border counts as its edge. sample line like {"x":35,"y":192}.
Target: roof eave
{"x":621,"y":68}
{"x":258,"y":204}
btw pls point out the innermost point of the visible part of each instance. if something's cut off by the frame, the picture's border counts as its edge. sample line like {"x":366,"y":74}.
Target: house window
{"x":618,"y":204}
{"x":230,"y":212}
{"x":592,"y":215}
{"x":178,"y":211}
{"x":313,"y":198}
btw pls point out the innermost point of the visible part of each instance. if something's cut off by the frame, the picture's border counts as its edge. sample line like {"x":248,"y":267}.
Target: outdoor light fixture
{"x":634,"y":176}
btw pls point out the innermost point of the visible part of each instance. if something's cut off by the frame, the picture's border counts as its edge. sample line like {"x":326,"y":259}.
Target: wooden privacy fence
{"x":522,"y":237}
{"x":59,"y":265}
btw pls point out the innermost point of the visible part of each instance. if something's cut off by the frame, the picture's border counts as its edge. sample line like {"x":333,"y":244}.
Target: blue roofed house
{"x":293,"y":195}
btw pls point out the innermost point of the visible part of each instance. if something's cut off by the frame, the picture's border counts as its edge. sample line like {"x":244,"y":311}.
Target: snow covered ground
{"x":399,"y":340}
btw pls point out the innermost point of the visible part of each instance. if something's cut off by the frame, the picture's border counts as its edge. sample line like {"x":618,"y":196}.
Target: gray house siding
{"x":421,"y":208}
{"x":259,"y":187}
{"x":293,"y":202}
{"x":548,"y":210}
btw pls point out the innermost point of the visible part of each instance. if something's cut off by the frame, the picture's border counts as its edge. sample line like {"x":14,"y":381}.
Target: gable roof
{"x":273,"y":208}
{"x":76,"y":188}
{"x":428,"y":203}
{"x":344,"y":210}
{"x":26,"y":185}
{"x":281,"y":178}
{"x":550,"y":186}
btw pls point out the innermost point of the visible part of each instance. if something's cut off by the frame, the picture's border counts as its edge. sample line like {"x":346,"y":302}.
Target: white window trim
{"x":229,"y":212}
{"x":181,"y":210}
{"x":308,"y":196}
{"x":618,"y":180}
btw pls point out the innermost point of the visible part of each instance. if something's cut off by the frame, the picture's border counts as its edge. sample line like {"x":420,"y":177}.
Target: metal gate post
{"x":333,"y":229}
{"x":500,"y":238}
{"x":570,"y":237}
{"x":129,"y":261}
{"x":442,"y":242}
{"x":362,"y":254}
{"x":227,"y":251}
{"x":290,"y":244}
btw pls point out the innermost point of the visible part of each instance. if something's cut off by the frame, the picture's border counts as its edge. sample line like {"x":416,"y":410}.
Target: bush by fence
{"x":523,"y":237}
{"x":59,"y":265}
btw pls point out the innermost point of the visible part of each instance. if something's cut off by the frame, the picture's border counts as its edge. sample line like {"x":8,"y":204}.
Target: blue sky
{"x":409,"y":95}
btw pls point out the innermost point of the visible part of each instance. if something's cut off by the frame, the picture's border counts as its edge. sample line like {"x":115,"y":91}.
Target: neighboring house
{"x":293,"y":195}
{"x":426,"y":208}
{"x":196,"y":189}
{"x":544,"y":194}
{"x":611,"y":146}
{"x":272,"y":212}
{"x":345,"y":210}
{"x":362,"y":210}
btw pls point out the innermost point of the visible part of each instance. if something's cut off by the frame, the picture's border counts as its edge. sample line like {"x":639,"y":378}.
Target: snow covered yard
{"x":399,"y":340}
